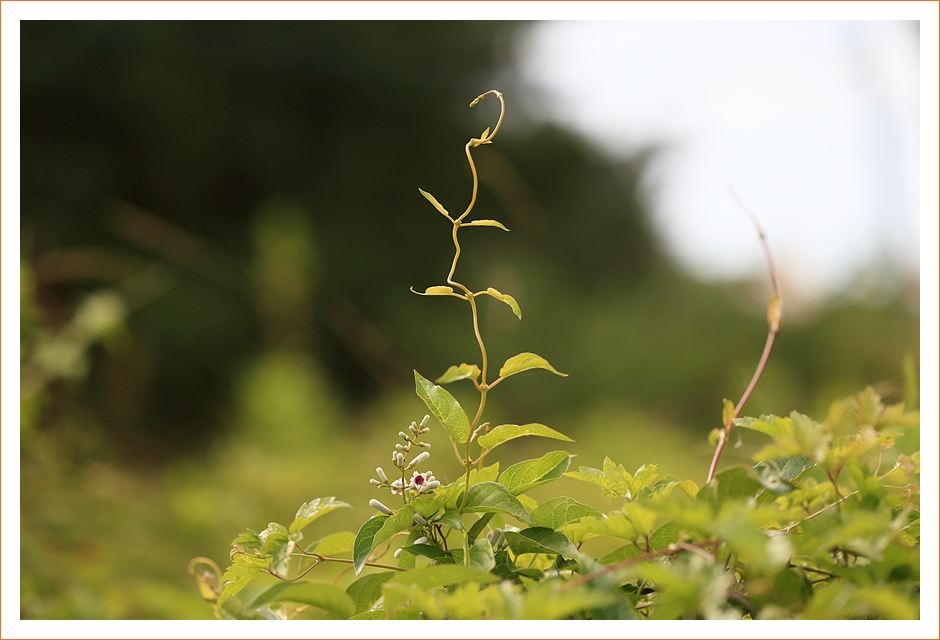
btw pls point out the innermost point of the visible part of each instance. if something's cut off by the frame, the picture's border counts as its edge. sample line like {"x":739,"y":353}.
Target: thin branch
{"x":774,"y":317}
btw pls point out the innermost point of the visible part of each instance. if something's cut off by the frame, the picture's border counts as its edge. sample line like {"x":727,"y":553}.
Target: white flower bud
{"x":430,"y":486}
{"x":405,"y":436}
{"x":375,"y":482}
{"x":425,"y":421}
{"x":420,"y":519}
{"x":400,"y":447}
{"x":421,"y":540}
{"x":413,"y":428}
{"x":397,"y":552}
{"x":399,"y":459}
{"x":375,"y":504}
{"x":418,"y":459}
{"x":423,"y":445}
{"x":381,"y":473}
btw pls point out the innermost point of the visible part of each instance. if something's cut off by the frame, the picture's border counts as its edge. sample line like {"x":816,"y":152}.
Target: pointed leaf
{"x":444,"y":407}
{"x":442,"y":575}
{"x":339,"y":542}
{"x":507,"y":299}
{"x":486,"y":497}
{"x":560,"y":511}
{"x":529,"y":474}
{"x":540,"y":540}
{"x":428,"y":551}
{"x":615,"y":524}
{"x":366,"y":591}
{"x":484,"y":223}
{"x":506,"y":432}
{"x":363,"y":544}
{"x":524,"y":362}
{"x":325,"y":596}
{"x":484,"y":134}
{"x":401,"y":521}
{"x":433,"y":200}
{"x":310,"y":511}
{"x":463,"y":372}
{"x":664,"y":536}
{"x":452,"y":519}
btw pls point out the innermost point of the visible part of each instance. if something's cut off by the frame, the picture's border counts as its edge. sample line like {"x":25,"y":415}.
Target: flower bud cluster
{"x":420,"y":482}
{"x":497,"y":538}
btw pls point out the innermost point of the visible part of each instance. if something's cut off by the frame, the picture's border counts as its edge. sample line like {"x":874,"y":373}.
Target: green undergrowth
{"x":823,"y":523}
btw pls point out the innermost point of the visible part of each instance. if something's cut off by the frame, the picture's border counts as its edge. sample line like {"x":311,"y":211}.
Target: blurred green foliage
{"x":220,"y":226}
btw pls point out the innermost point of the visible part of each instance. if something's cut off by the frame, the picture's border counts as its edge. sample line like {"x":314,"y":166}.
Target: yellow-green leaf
{"x":310,"y":511}
{"x":508,"y":299}
{"x":444,"y":407}
{"x":506,"y":432}
{"x":528,"y":474}
{"x":463,"y":372}
{"x":484,"y":223}
{"x":438,"y":290}
{"x":727,"y":412}
{"x":433,"y":200}
{"x":318,"y":594}
{"x":525,"y":361}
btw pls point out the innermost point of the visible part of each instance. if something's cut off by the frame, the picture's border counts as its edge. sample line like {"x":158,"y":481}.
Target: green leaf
{"x":402,"y":521}
{"x":318,"y":594}
{"x":484,"y":223}
{"x":626,"y":552}
{"x":524,"y":362}
{"x":437,"y":290}
{"x":428,"y":551}
{"x":433,"y":200}
{"x":507,"y":299}
{"x":442,"y":575}
{"x":444,"y":407}
{"x":248,"y":541}
{"x":506,"y":432}
{"x":491,"y":496}
{"x":560,"y":511}
{"x":243,"y":569}
{"x":641,"y":517}
{"x":454,"y":491}
{"x":481,"y":555}
{"x":339,"y":542}
{"x":528,"y":474}
{"x":664,"y":536}
{"x":540,"y":540}
{"x":452,"y":519}
{"x":407,"y":560}
{"x":363,"y":544}
{"x":771,"y":425}
{"x":463,"y":372}
{"x":615,"y":524}
{"x":614,"y":480}
{"x":310,"y":511}
{"x":366,"y":591}
{"x":477,"y":528}
{"x":732,"y":484}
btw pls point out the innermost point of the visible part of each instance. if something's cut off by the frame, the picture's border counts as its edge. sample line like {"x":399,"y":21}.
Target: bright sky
{"x":815,"y":124}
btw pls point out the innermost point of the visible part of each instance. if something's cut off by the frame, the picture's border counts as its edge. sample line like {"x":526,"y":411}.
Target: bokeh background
{"x":220,"y":224}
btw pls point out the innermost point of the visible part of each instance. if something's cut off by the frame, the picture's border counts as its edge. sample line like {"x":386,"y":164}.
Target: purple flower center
{"x":418,"y":480}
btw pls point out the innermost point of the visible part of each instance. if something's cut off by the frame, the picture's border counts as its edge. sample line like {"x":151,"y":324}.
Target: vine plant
{"x":825,"y":525}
